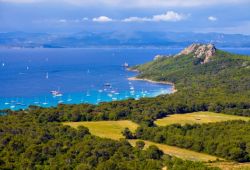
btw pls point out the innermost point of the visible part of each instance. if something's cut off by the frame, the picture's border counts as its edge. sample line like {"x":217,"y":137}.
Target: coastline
{"x":174,"y":90}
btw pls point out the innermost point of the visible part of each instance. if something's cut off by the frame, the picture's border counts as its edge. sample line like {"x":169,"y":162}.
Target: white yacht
{"x":56,"y":93}
{"x":125,"y":65}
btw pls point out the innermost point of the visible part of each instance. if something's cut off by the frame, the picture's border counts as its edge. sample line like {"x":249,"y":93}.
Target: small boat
{"x":12,"y":106}
{"x":3,"y":64}
{"x":45,"y":102}
{"x":27,"y":68}
{"x":69,"y":99}
{"x":47,"y":75}
{"x":87,"y":94}
{"x":125,"y":65}
{"x":107,"y":85}
{"x":114,"y":98}
{"x":100,"y":91}
{"x":56,"y":93}
{"x":13,"y":101}
{"x":59,"y":95}
{"x":19,"y":103}
{"x":36,"y":102}
{"x":60,"y":101}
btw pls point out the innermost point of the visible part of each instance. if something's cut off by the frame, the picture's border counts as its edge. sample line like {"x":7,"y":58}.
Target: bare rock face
{"x":158,"y":57}
{"x":205,"y":52}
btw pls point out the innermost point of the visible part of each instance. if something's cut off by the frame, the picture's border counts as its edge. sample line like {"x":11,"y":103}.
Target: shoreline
{"x":174,"y":90}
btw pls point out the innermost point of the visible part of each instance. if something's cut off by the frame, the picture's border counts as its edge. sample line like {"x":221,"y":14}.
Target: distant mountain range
{"x":114,"y":39}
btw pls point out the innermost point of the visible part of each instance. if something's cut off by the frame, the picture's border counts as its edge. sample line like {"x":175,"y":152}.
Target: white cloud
{"x":137,"y":3}
{"x":62,"y":21}
{"x":212,"y":18}
{"x":136,"y":19}
{"x":168,"y":16}
{"x":102,"y":19}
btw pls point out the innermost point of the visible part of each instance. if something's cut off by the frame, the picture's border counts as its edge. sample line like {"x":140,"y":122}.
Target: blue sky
{"x":68,"y":16}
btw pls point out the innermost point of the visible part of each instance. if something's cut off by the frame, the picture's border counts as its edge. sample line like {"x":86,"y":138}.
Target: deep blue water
{"x":28,"y":75}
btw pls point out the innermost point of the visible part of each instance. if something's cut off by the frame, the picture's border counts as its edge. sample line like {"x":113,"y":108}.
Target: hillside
{"x":206,"y":74}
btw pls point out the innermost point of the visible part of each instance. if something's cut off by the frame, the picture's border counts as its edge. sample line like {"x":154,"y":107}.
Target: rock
{"x":158,"y":57}
{"x":203,"y":51}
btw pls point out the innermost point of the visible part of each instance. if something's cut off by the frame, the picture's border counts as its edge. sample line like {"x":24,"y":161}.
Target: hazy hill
{"x":141,"y":39}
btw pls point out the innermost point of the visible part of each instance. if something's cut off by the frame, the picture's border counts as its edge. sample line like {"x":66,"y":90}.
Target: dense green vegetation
{"x":222,"y":85}
{"x":25,"y":143}
{"x":35,"y":138}
{"x":230,"y":140}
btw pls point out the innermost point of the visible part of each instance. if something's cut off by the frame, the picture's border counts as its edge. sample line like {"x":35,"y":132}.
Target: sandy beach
{"x":152,"y":81}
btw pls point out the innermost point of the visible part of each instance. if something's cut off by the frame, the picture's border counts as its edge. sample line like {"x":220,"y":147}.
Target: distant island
{"x":212,"y":92}
{"x":114,"y":39}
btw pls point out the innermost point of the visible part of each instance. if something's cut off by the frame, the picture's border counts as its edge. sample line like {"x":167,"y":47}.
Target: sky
{"x":70,"y":16}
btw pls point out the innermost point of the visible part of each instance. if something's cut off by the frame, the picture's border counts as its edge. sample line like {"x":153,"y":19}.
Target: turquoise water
{"x":28,"y":76}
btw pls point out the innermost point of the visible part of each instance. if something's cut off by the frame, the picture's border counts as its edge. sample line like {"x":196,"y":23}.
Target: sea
{"x":48,"y":77}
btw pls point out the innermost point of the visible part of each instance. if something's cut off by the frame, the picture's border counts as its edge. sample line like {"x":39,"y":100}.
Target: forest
{"x":26,"y":143}
{"x":230,"y":139}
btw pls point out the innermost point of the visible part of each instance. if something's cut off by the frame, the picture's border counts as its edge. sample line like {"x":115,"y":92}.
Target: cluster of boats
{"x":110,"y":92}
{"x":14,"y":104}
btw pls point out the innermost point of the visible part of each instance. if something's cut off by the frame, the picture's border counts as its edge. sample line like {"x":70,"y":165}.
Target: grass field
{"x":113,"y":129}
{"x":197,"y":117}
{"x":230,"y":165}
{"x":106,"y":129}
{"x":180,"y":153}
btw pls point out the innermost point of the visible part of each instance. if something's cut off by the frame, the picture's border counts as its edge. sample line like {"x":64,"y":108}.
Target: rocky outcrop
{"x":204,"y":52}
{"x":158,"y":57}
